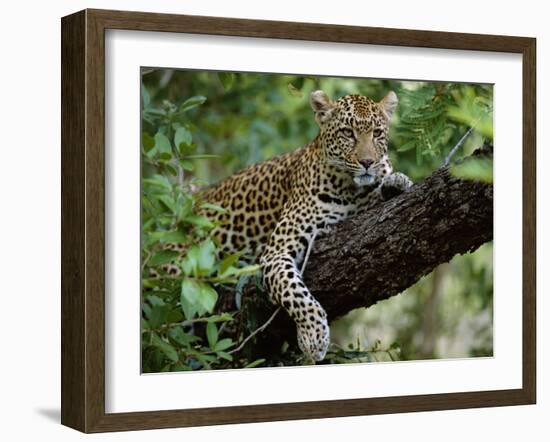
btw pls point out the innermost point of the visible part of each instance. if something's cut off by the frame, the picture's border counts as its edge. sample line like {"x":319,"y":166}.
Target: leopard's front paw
{"x":314,"y":338}
{"x":394,"y":184}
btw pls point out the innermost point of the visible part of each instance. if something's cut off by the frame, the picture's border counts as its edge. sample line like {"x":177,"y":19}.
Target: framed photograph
{"x":266,"y":220}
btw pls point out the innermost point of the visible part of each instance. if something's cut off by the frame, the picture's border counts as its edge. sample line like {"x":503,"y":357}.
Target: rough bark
{"x":378,"y":255}
{"x":374,"y":256}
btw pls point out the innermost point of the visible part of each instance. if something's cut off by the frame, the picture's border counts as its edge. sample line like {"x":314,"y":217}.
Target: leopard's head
{"x":354,"y":134}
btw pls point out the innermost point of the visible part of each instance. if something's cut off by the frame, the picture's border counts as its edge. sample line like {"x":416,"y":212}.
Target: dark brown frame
{"x":83,"y":216}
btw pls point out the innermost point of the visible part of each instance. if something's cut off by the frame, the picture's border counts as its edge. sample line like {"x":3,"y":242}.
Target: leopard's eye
{"x":377,"y":132}
{"x":348,"y":133}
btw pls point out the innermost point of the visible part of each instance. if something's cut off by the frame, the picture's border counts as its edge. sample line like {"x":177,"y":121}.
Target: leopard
{"x":275,"y":209}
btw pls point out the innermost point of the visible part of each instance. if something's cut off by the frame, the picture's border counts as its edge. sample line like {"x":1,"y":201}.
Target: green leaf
{"x":147,"y":141}
{"x":247,"y":270}
{"x":205,"y":360}
{"x":474,"y":169}
{"x":220,"y":318}
{"x":169,"y":202}
{"x":223,"y":344}
{"x":255,"y":363}
{"x":157,"y":315}
{"x":200,"y":221}
{"x":159,"y":295}
{"x":227,"y":262}
{"x":166,"y":236}
{"x":180,"y":337}
{"x":165,"y":348}
{"x":207,"y":257}
{"x":227,"y":79}
{"x":155,"y":111}
{"x":148,"y":284}
{"x":162,"y":257}
{"x":162,"y":143}
{"x":189,"y":298}
{"x":178,"y":366}
{"x":227,"y":272}
{"x":182,"y":139}
{"x":158,"y":181}
{"x":187,"y":165}
{"x":189,"y":264}
{"x":164,"y":220}
{"x":171,"y":169}
{"x":155,"y":300}
{"x":224,"y":355}
{"x":185,"y":206}
{"x":407,"y":146}
{"x":175,"y":315}
{"x":208,"y":297}
{"x":215,"y":207}
{"x":192,"y":102}
{"x":173,"y":237}
{"x":212,"y":334}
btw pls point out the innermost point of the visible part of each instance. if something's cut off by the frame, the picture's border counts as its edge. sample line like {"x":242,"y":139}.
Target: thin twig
{"x":145,"y":71}
{"x":255,"y":332}
{"x":460,"y":143}
{"x":145,"y":261}
{"x":181,"y":176}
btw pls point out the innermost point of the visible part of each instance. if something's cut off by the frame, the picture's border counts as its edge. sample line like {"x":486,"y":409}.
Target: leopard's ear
{"x":388,"y":104}
{"x":321,"y":105}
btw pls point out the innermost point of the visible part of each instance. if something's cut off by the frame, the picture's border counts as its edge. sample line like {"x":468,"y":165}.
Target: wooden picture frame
{"x":83,"y":220}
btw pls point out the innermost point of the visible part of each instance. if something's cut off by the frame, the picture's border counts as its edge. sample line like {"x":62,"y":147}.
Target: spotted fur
{"x":278,"y":207}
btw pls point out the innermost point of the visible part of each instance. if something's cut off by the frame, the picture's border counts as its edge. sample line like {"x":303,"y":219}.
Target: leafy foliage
{"x":356,"y":353}
{"x":433,"y":117}
{"x":199,"y":127}
{"x":474,"y":169}
{"x":175,"y":306}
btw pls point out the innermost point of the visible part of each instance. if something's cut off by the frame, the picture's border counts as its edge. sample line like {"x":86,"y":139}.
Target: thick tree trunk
{"x":379,"y":254}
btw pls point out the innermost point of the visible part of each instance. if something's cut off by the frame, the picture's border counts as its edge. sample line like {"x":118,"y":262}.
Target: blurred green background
{"x":243,"y":118}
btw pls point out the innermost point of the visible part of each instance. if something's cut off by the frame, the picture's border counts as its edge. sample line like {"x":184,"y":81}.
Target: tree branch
{"x":379,"y":254}
{"x":370,"y":258}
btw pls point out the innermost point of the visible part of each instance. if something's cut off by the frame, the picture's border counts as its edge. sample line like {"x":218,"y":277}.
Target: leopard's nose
{"x":366,"y":163}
